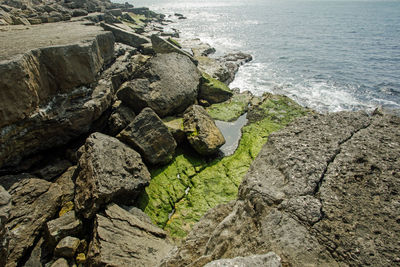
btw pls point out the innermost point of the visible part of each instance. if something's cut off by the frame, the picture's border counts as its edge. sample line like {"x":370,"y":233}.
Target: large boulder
{"x":108,"y":170}
{"x":201,"y":131}
{"x":162,"y":46}
{"x":148,"y":135}
{"x":35,"y":201}
{"x":168,"y":84}
{"x":5,"y":206}
{"x":126,"y":37}
{"x":122,"y":239}
{"x":213,"y":91}
{"x":309,"y":196}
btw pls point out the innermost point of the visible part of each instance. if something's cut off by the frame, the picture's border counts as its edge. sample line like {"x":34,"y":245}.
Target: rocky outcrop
{"x":168,"y":84}
{"x":201,"y":131}
{"x":125,"y":36}
{"x":148,"y":135}
{"x":162,"y":46}
{"x":309,"y":197}
{"x":266,"y":260}
{"x":122,"y":239}
{"x":108,"y":171}
{"x":46,"y":93}
{"x":213,"y":91}
{"x":34,"y":201}
{"x":5,"y":206}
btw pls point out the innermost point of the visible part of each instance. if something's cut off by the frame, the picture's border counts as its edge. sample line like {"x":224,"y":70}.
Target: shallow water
{"x":327,"y":55}
{"x":232,"y":134}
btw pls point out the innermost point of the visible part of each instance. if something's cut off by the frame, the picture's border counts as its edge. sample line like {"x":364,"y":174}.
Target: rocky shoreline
{"x":109,"y":153}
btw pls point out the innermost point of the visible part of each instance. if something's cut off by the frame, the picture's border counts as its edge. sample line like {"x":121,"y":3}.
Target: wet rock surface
{"x":108,"y":171}
{"x":302,"y":197}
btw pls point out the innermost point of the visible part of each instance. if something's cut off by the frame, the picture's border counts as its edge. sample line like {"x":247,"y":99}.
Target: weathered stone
{"x":267,"y":260}
{"x":34,"y":201}
{"x":108,"y":171}
{"x":118,"y":235}
{"x":79,"y":12}
{"x":5,"y":206}
{"x":232,"y":109}
{"x":213,"y":90}
{"x":168,"y":85}
{"x":67,"y":184}
{"x":34,"y":21}
{"x":20,"y":21}
{"x":162,"y":46}
{"x":309,"y":197}
{"x":7,"y":181}
{"x":175,"y":127}
{"x":126,"y":37}
{"x":120,"y":117}
{"x":198,"y":47}
{"x":148,"y":135}
{"x":61,"y":262}
{"x":39,"y":255}
{"x":201,"y":131}
{"x":53,"y":170}
{"x":66,"y":225}
{"x":67,"y":247}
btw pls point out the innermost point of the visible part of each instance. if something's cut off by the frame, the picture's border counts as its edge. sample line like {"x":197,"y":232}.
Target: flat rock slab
{"x":122,"y":239}
{"x":16,"y":40}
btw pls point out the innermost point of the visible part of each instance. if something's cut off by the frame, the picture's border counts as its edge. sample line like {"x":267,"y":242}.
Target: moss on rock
{"x":213,"y":90}
{"x":179,"y":194}
{"x":232,"y":109}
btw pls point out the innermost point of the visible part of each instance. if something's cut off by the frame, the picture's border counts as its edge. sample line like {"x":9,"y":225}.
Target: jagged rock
{"x":61,"y":262}
{"x":66,"y":225}
{"x":126,"y":37}
{"x":67,"y":247}
{"x":309,"y":196}
{"x":108,"y":171}
{"x":162,"y":46}
{"x":120,"y":117}
{"x":148,"y":135}
{"x":168,"y":85}
{"x":201,"y":131}
{"x":53,"y":170}
{"x":198,"y":47}
{"x":6,"y":17}
{"x":67,"y":184}
{"x":35,"y":201}
{"x":44,"y":94}
{"x":8,"y":181}
{"x":213,"y":91}
{"x":118,"y":235}
{"x":39,"y":255}
{"x":267,"y":260}
{"x":79,"y":12}
{"x":5,"y":206}
{"x":175,"y":127}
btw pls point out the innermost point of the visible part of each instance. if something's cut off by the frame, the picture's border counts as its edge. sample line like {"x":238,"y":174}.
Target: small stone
{"x":67,"y":247}
{"x":66,"y":225}
{"x":61,"y":262}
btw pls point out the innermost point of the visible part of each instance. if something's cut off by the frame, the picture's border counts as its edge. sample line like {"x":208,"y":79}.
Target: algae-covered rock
{"x":180,"y":193}
{"x":163,"y":46}
{"x":175,"y":126}
{"x":202,"y":133}
{"x":232,"y":109}
{"x":213,"y":90}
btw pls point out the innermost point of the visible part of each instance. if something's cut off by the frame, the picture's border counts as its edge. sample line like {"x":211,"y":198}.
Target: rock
{"x":175,"y":127}
{"x":20,"y":21}
{"x":118,"y":235}
{"x":5,"y":206}
{"x":148,"y":135}
{"x":168,"y":85}
{"x":213,"y":90}
{"x":267,"y":260}
{"x":61,"y":262}
{"x":6,"y":17}
{"x":201,"y":131}
{"x":53,"y":170}
{"x":39,"y":255}
{"x":67,"y":184}
{"x":67,"y":247}
{"x":34,"y":21}
{"x":232,"y":109}
{"x":199,"y":49}
{"x":66,"y":225}
{"x":108,"y":171}
{"x":79,"y":12}
{"x":120,"y":117}
{"x":309,"y":196}
{"x":126,"y":37}
{"x":162,"y":46}
{"x":35,"y":201}
{"x":51,"y":109}
{"x":8,"y":181}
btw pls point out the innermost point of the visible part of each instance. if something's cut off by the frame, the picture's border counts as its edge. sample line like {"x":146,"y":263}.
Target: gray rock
{"x":61,"y":262}
{"x":53,"y":170}
{"x":118,"y":235}
{"x":175,"y":127}
{"x":66,"y":225}
{"x":67,"y":247}
{"x":266,"y":260}
{"x":39,"y":254}
{"x":79,"y":12}
{"x":148,"y":135}
{"x":168,"y":85}
{"x":126,"y":37}
{"x":198,"y":47}
{"x":120,"y":117}
{"x":162,"y":46}
{"x":67,"y":184}
{"x":201,"y":131}
{"x":309,"y":197}
{"x":35,"y":201}
{"x":5,"y":207}
{"x":108,"y":171}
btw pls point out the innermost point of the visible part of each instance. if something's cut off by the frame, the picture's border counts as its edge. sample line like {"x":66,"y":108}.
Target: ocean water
{"x":326,"y":55}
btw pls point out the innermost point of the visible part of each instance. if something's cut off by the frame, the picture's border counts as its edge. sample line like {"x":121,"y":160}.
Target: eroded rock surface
{"x":122,"y":239}
{"x":309,"y":197}
{"x":266,"y":260}
{"x":108,"y":171}
{"x":5,"y":206}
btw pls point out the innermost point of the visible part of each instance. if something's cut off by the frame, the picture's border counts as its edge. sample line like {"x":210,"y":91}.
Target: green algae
{"x":213,"y":90}
{"x":174,"y":42}
{"x":180,"y":193}
{"x":232,"y":109}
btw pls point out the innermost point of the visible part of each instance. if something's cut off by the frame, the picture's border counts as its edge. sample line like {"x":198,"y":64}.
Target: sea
{"x":327,"y":55}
